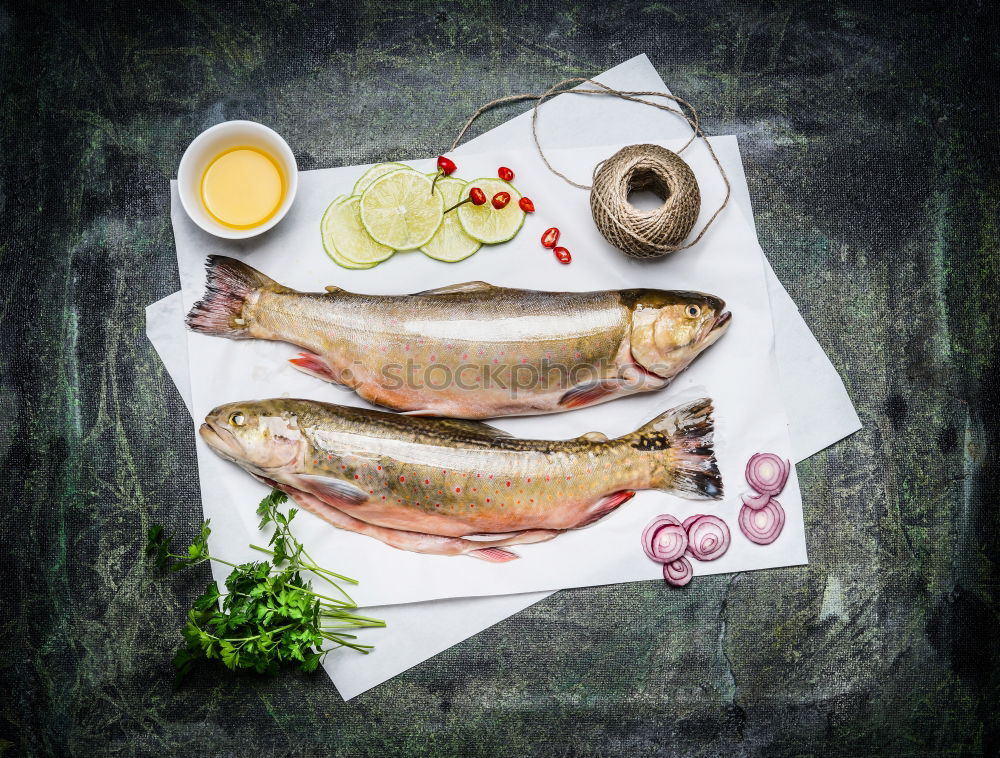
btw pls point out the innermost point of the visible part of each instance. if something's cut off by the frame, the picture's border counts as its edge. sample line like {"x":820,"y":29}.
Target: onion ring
{"x":764,"y":525}
{"x":679,"y":572}
{"x":669,"y":543}
{"x":755,"y":501}
{"x":649,"y":535}
{"x":708,"y":538}
{"x":767,"y":473}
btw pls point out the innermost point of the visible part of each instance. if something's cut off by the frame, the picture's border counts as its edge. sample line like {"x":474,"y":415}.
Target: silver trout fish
{"x":456,"y":487}
{"x":470,"y":350}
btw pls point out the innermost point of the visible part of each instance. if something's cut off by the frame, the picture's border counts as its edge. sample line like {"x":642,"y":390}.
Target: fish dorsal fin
{"x":594,"y":437}
{"x":333,"y":288}
{"x":463,"y":287}
{"x":472,"y":428}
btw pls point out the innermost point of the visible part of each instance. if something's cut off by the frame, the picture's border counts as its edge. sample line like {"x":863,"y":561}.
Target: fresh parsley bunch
{"x":269,"y":613}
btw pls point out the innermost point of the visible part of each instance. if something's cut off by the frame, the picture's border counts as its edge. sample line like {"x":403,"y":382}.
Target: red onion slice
{"x":764,"y":525}
{"x":767,"y":473}
{"x":690,"y":520}
{"x":679,"y":572}
{"x":708,"y":538}
{"x":649,"y":534}
{"x":755,"y":501}
{"x":669,"y":543}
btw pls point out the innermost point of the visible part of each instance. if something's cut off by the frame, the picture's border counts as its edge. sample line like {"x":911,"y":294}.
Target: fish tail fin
{"x":230,"y":283}
{"x":682,"y":438}
{"x":493,"y":554}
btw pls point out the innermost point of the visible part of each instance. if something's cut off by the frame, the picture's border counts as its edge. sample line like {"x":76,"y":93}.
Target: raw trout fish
{"x":455,"y":487}
{"x":470,"y":350}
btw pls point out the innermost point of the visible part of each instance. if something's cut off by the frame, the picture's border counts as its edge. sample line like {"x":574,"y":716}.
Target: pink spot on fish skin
{"x":329,"y":457}
{"x":403,"y":478}
{"x":371,"y":492}
{"x":407,"y":348}
{"x":524,"y":360}
{"x":379,"y":468}
{"x":357,"y":476}
{"x":487,"y":500}
{"x":458,"y":489}
{"x":508,"y":484}
{"x":383,"y":497}
{"x":568,"y":478}
{"x":465,"y":356}
{"x":547,"y":478}
{"x":491,"y":476}
{"x":472,"y":505}
{"x":529,"y":478}
{"x":450,"y":346}
{"x":578,"y":355}
{"x":433,"y":358}
{"x":437,"y":505}
{"x":495,"y":360}
{"x":315,"y":463}
{"x":427,"y":481}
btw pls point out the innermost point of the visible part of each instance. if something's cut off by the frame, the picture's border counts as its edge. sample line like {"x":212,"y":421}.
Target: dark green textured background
{"x":870,"y":149}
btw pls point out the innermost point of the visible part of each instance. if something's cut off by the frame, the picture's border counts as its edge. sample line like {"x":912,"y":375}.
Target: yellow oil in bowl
{"x":243,"y":187}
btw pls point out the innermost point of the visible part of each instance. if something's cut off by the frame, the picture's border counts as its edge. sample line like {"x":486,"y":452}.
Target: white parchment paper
{"x":420,"y":630}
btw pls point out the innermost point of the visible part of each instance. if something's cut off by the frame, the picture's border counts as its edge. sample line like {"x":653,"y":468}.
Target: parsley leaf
{"x":269,"y":615}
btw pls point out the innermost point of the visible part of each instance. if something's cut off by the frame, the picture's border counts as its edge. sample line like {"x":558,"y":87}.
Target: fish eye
{"x":237,"y":418}
{"x":693,"y":311}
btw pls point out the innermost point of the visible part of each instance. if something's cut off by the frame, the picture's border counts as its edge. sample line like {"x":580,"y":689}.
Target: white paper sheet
{"x":418,"y":631}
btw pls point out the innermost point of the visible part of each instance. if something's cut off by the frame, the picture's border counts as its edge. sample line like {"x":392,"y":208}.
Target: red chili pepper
{"x":505,"y":173}
{"x":550,"y":237}
{"x":446,"y":165}
{"x":477,"y":196}
{"x":562,"y":255}
{"x":526,"y":205}
{"x":501,"y":199}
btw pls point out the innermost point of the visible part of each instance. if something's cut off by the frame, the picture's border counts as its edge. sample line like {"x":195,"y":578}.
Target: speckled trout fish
{"x":470,"y":350}
{"x":454,"y":487}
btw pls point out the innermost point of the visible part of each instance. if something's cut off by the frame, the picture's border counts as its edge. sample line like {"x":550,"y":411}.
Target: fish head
{"x":255,"y":435}
{"x":671,"y":329}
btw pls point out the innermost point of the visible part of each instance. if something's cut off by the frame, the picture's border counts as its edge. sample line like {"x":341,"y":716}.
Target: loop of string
{"x":641,"y":234}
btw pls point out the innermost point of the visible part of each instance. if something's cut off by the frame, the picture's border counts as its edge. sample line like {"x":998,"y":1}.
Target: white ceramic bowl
{"x":207,"y":146}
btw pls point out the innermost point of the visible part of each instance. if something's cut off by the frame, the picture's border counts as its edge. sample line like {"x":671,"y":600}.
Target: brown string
{"x":641,"y":234}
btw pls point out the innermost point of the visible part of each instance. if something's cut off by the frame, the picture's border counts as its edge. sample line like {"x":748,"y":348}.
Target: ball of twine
{"x":638,"y":233}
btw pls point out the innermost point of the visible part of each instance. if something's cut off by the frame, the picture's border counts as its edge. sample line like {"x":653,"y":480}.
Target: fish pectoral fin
{"x":594,"y":437}
{"x":493,"y":555}
{"x":328,"y":489}
{"x":491,"y":537}
{"x":420,"y":413}
{"x":463,"y":287}
{"x":605,"y":505}
{"x":589,"y":393}
{"x":314,"y":365}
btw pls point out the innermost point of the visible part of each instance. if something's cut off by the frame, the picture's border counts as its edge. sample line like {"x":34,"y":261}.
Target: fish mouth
{"x":722,"y":321}
{"x":222,"y":443}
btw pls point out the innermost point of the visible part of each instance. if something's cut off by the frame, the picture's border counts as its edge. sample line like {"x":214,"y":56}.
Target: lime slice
{"x":345,"y":239}
{"x":450,"y":244}
{"x":398,"y":210}
{"x":373,"y":173}
{"x":486,"y":223}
